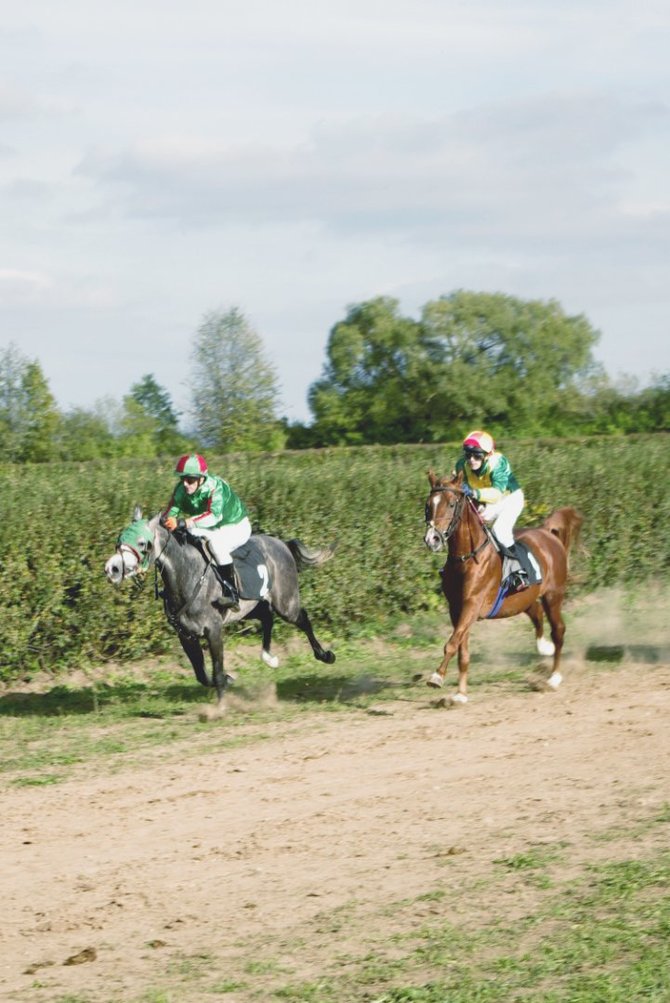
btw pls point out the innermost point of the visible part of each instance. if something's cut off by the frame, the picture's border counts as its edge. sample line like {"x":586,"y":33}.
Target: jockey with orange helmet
{"x":211,"y":510}
{"x":488,"y":479}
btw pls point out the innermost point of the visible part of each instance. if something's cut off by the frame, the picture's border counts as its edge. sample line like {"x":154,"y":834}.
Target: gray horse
{"x":192,"y":589}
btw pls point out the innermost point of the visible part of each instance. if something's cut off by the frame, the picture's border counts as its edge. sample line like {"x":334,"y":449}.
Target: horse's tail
{"x":307,"y":557}
{"x":565,"y":523}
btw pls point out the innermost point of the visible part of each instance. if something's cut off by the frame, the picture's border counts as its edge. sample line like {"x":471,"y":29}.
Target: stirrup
{"x":230,"y":598}
{"x":519,"y":581}
{"x":227,"y":602}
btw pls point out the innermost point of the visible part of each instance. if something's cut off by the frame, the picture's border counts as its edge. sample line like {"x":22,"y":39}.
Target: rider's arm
{"x":213,"y":514}
{"x":501,"y":477}
{"x":173,"y":508}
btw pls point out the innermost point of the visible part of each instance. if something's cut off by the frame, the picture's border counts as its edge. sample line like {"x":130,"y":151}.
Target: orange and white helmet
{"x":478,"y":442}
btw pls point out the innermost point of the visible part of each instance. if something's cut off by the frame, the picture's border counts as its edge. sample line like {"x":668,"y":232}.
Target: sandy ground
{"x":128,"y":873}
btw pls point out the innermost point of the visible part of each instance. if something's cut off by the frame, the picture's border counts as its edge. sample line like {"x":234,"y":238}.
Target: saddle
{"x":519,"y":566}
{"x":252,"y":575}
{"x":519,"y":570}
{"x":251,"y":571}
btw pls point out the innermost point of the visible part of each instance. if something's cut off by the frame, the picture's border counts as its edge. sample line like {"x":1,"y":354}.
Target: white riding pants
{"x":503,"y":514}
{"x":224,"y":539}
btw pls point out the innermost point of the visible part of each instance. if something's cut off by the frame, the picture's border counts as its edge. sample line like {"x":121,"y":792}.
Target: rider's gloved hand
{"x":170,"y":522}
{"x":468,"y":491}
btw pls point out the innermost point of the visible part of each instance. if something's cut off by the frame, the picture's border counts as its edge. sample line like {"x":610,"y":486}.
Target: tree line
{"x":520,"y":368}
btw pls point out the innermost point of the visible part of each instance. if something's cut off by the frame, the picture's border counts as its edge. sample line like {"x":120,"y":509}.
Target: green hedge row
{"x":60,"y":523}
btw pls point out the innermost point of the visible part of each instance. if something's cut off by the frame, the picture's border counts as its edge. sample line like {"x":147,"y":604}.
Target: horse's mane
{"x":447,"y":480}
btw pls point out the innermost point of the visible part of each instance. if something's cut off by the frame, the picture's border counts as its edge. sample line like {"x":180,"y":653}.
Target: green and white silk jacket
{"x":212,"y":505}
{"x":492,"y":481}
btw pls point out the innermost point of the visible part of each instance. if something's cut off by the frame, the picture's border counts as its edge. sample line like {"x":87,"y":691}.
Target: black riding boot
{"x":231,"y":597}
{"x":522,"y":578}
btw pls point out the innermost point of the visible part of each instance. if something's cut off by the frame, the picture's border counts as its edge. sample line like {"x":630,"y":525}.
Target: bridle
{"x":141,"y":549}
{"x":443,"y":535}
{"x":141,"y":552}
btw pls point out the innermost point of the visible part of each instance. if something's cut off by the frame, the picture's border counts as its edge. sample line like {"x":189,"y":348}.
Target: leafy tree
{"x":234,"y":387}
{"x":650,"y":409}
{"x":508,"y":363}
{"x":369,"y":390}
{"x":29,"y":418}
{"x":40,"y":418}
{"x":86,"y":435}
{"x":472,"y":359}
{"x":149,"y":422}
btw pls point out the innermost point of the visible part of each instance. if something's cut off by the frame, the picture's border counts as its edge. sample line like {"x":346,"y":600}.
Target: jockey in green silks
{"x":211,"y":510}
{"x":490,"y":482}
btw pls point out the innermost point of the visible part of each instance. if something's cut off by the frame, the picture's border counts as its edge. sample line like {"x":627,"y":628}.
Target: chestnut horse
{"x":471,"y":577}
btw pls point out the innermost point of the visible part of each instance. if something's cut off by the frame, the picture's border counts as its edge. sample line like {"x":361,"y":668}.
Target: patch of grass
{"x":600,"y":940}
{"x":536,"y":858}
{"x":42,"y":781}
{"x":119,"y":722}
{"x":227,"y":986}
{"x":640,"y":828}
{"x":192,"y":965}
{"x":264,"y":967}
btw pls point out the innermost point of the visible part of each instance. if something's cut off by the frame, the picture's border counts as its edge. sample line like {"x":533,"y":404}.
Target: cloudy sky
{"x":161,"y":159}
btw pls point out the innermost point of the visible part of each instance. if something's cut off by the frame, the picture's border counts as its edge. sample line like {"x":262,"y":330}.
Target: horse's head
{"x":443,"y":509}
{"x":134,"y":549}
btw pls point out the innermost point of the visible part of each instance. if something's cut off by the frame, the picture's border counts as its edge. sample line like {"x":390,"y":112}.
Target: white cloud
{"x":293,"y":158}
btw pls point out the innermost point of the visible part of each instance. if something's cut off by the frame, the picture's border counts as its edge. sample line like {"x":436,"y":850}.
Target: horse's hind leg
{"x":552,"y":602}
{"x":286,"y":603}
{"x":303,"y":623}
{"x":544,"y":645}
{"x":266,"y":616}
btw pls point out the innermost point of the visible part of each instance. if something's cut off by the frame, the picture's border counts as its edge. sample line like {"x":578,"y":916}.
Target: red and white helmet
{"x":480,"y":441}
{"x":191,"y":465}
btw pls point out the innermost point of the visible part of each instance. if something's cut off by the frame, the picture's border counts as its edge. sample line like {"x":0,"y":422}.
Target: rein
{"x":173,"y":614}
{"x":462,"y":558}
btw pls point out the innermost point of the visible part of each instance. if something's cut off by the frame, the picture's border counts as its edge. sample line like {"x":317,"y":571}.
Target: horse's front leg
{"x":214,"y":636}
{"x":459,"y":642}
{"x":191,"y":646}
{"x":461,"y":695}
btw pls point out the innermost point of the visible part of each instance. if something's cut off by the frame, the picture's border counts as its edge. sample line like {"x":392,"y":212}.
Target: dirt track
{"x":361,"y":810}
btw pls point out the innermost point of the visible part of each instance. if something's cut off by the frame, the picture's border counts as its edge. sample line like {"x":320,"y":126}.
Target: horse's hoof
{"x":435,"y":681}
{"x":545,"y":647}
{"x":458,"y":698}
{"x":554,"y":680}
{"x":211,"y":712}
{"x":328,"y":657}
{"x":269,"y":659}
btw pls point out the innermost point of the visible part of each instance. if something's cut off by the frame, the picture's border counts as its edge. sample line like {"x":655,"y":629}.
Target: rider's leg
{"x":221,"y":542}
{"x":231,"y":597}
{"x":503,"y":516}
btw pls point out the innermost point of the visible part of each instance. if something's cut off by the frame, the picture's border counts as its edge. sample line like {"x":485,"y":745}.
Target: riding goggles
{"x":477,"y":454}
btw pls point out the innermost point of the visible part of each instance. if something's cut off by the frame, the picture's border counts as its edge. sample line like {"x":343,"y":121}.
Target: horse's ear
{"x":458,"y":477}
{"x":432,"y":478}
{"x":137,"y":513}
